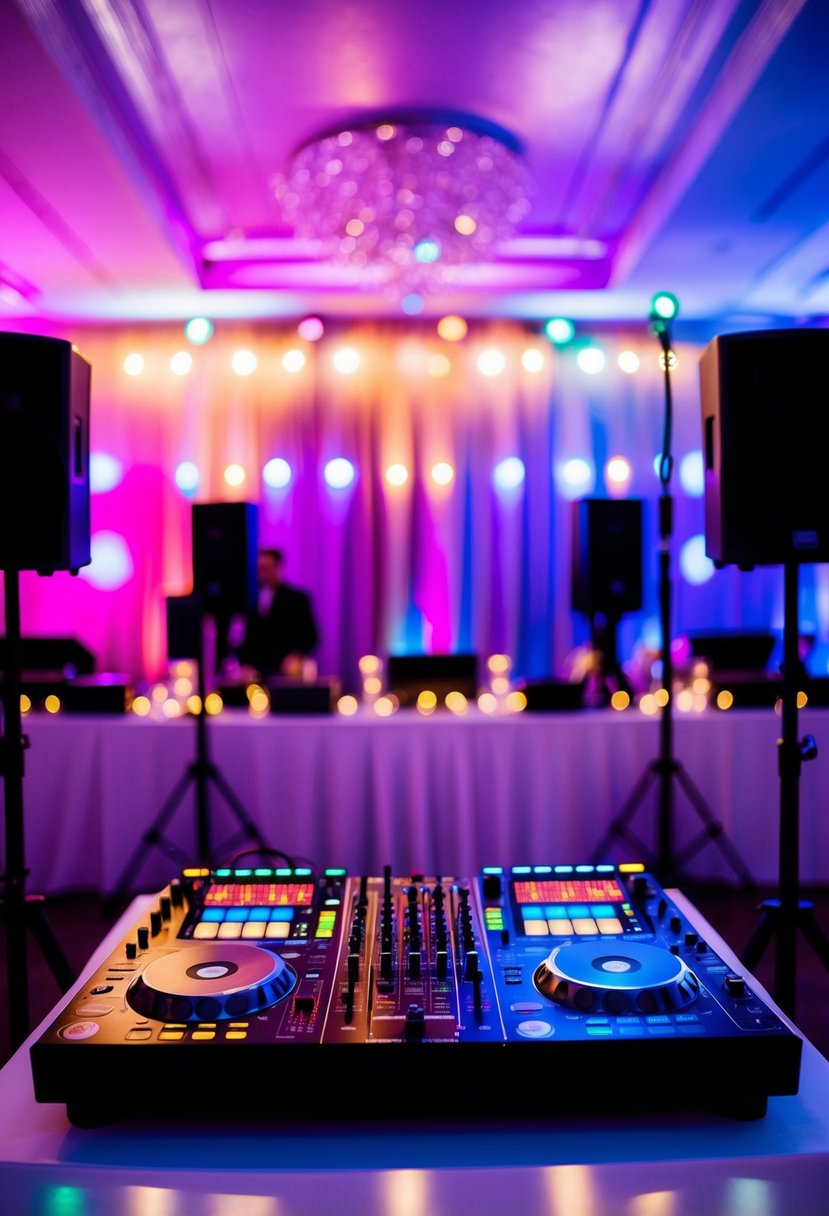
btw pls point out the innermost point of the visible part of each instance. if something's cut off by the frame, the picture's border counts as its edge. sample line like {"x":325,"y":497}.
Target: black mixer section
{"x":247,"y":984}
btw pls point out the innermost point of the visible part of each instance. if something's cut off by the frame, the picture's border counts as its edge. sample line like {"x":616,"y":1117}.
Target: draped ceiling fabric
{"x":415,"y":568}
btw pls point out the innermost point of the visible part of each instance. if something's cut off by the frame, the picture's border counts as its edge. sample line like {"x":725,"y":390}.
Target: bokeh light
{"x":397,"y":475}
{"x":293,"y":360}
{"x":134,"y":364}
{"x":277,"y":473}
{"x":187,"y":477}
{"x":442,"y":473}
{"x":244,"y":362}
{"x":234,"y":475}
{"x":112,"y":565}
{"x":311,"y":329}
{"x":591,"y":360}
{"x":452,"y":328}
{"x":339,"y":473}
{"x":105,"y":472}
{"x":198,"y":330}
{"x":346,"y":360}
{"x":491,"y":362}
{"x":181,"y":363}
{"x":509,"y":473}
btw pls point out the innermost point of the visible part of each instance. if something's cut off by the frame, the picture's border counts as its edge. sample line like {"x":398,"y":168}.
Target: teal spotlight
{"x":664,"y":306}
{"x":427,"y":251}
{"x":560,"y":330}
{"x":199,"y":330}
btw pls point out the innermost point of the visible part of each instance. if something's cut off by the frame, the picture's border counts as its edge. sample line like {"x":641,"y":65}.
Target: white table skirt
{"x":441,"y":794}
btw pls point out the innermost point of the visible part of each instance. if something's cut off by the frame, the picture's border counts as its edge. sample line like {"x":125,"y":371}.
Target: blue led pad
{"x":213,"y":914}
{"x":237,"y":914}
{"x":281,"y":913}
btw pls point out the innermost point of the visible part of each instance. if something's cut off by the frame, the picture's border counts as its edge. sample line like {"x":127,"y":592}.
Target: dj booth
{"x":409,"y":791}
{"x":416,"y":1154}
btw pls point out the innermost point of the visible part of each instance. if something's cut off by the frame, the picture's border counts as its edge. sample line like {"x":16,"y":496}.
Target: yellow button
{"x":609,"y":924}
{"x":585,"y":925}
{"x":278,"y":928}
{"x":561,"y":928}
{"x":230,"y":928}
{"x":204,"y":1034}
{"x":206,"y":928}
{"x":253,"y":928}
{"x":236,"y":1034}
{"x":536,"y":928}
{"x":170,"y":1036}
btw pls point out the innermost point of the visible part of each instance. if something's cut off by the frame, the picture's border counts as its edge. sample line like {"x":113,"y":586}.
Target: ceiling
{"x":672,"y":144}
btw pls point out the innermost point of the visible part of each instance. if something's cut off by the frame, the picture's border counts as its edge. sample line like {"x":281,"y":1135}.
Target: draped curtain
{"x":419,"y":567}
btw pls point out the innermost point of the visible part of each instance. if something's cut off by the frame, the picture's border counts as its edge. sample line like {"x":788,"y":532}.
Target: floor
{"x":78,"y":922}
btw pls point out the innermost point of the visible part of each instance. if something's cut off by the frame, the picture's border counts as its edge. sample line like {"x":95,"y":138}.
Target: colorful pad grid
{"x":257,"y":923}
{"x":569,"y":920}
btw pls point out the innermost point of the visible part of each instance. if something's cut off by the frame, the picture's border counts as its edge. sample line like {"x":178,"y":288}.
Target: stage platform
{"x":410,"y":792}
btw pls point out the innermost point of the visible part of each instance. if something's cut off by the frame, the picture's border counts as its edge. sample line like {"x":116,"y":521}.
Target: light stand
{"x":785,"y":915}
{"x":201,"y":773}
{"x":667,"y":863}
{"x":22,"y":913}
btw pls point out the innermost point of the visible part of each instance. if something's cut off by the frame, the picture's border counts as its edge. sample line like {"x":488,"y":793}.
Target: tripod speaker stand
{"x":788,"y":913}
{"x":44,"y":449}
{"x":666,"y":769}
{"x":761,"y":394}
{"x":225,"y":582}
{"x":202,"y":775}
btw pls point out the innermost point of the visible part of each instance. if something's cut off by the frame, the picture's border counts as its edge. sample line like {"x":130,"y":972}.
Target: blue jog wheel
{"x":616,"y":977}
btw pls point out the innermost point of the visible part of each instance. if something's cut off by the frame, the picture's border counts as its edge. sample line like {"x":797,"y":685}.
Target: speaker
{"x":44,"y":455}
{"x":225,"y":543}
{"x":607,"y":556}
{"x":764,"y":398}
{"x":408,"y":675}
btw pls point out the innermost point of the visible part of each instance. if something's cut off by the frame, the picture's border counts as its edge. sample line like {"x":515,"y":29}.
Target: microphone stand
{"x":667,"y":863}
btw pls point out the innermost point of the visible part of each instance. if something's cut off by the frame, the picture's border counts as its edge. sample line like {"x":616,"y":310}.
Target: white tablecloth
{"x":442,"y":794}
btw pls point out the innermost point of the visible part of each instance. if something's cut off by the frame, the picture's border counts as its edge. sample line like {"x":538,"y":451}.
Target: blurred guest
{"x":279,"y":635}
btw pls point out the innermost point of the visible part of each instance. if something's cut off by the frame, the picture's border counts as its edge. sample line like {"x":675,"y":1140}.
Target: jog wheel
{"x":205,"y":983}
{"x":617,"y":977}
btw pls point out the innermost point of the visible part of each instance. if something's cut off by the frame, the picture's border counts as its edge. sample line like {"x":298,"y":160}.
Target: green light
{"x":560,"y":330}
{"x":664,"y":305}
{"x":65,"y":1201}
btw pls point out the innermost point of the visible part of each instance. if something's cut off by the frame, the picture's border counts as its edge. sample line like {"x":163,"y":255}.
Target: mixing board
{"x":537,"y":989}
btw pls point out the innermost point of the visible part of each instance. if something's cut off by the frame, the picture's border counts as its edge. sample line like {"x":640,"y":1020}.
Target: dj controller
{"x":534,"y":990}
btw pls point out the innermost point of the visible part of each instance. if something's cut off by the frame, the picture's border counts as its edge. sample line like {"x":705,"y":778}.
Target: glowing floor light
{"x":339,"y":473}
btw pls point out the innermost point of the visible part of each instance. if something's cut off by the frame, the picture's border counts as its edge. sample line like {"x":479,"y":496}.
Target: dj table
{"x":416,"y":1155}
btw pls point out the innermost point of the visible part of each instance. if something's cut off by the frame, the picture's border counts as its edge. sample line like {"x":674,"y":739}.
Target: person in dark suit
{"x":281,"y":632}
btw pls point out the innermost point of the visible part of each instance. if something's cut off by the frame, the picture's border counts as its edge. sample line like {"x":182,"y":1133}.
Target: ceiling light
{"x":405,"y":200}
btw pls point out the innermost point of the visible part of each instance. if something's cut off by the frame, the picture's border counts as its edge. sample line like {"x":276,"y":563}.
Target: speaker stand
{"x":22,"y":913}
{"x":201,"y":774}
{"x":789,"y":913}
{"x":667,"y":863}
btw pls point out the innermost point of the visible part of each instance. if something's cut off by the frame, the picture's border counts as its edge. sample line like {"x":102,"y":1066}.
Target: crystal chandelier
{"x":405,"y":201}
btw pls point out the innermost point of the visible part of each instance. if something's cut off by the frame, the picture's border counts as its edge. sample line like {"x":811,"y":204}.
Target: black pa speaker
{"x":44,"y":455}
{"x":764,"y":398}
{"x":607,"y":556}
{"x":225,"y":543}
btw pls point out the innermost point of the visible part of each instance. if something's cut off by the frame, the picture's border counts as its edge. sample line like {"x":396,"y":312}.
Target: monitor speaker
{"x":44,"y":455}
{"x":764,"y":396}
{"x":225,"y":541}
{"x":607,"y":556}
